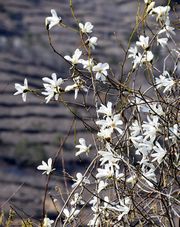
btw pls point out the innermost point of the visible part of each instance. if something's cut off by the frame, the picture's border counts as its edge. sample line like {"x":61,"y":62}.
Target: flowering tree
{"x":132,"y":179}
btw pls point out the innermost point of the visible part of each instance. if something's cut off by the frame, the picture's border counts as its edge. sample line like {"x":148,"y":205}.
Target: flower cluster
{"x":132,"y":177}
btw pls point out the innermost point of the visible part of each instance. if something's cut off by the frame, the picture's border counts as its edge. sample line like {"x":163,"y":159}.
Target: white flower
{"x":150,"y":6}
{"x":101,"y":185}
{"x":95,"y":222}
{"x":22,"y":89}
{"x":108,"y":172}
{"x":174,"y":133}
{"x":86,"y":28}
{"x":70,"y":215}
{"x":160,"y":153}
{"x":47,"y":222}
{"x":75,"y":58}
{"x":78,"y":84}
{"x":133,"y":52}
{"x":151,"y":127}
{"x":161,"y":12}
{"x":143,"y":42}
{"x":87,"y":64}
{"x":167,"y":29}
{"x":162,"y":41}
{"x":135,"y":128}
{"x":156,"y":108}
{"x":148,"y":56}
{"x":105,"y":133}
{"x":80,"y":180}
{"x":124,"y":207}
{"x":165,"y":80}
{"x":52,"y":87}
{"x":77,"y":200}
{"x":53,"y":20}
{"x":92,"y":42}
{"x":111,"y":122}
{"x":101,"y":71}
{"x":149,"y":174}
{"x":46,"y":167}
{"x":138,"y":60}
{"x":83,"y":148}
{"x":107,"y":111}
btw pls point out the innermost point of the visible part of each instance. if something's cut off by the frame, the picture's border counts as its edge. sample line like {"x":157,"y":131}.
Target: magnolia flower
{"x":46,"y":167}
{"x":111,"y":122}
{"x":78,"y":84}
{"x":53,"y":20}
{"x":87,"y":64}
{"x":143,"y":42}
{"x":124,"y":207}
{"x":160,"y":153}
{"x":149,"y":174}
{"x":150,"y":6}
{"x":70,"y":215}
{"x":92,"y":42}
{"x":133,"y":52}
{"x":77,"y":200}
{"x":75,"y":58}
{"x":95,"y":222}
{"x":156,"y":108}
{"x":52,"y":87}
{"x":47,"y":222}
{"x":101,"y":71}
{"x":135,"y":128}
{"x":161,"y":12}
{"x":106,"y":110}
{"x":83,"y":148}
{"x":80,"y":180}
{"x":108,"y":172}
{"x":174,"y":133}
{"x":162,"y":41}
{"x":167,"y":29}
{"x":166,"y":81}
{"x":151,"y":127}
{"x":86,"y":28}
{"x":101,"y":185}
{"x":148,"y":56}
{"x":105,"y":133}
{"x":22,"y":89}
{"x":138,"y":60}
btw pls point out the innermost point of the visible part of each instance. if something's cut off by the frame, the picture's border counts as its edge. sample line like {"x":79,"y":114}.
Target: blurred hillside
{"x":31,"y":131}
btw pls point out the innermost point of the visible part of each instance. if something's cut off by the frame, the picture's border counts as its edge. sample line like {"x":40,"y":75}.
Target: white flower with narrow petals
{"x":75,"y":58}
{"x":148,"y":174}
{"x":52,"y":87}
{"x":167,"y":29}
{"x":148,"y":56}
{"x":124,"y":207}
{"x":135,"y":128}
{"x":156,"y":108}
{"x":46,"y":167}
{"x":133,"y":52}
{"x":87,"y":64}
{"x":101,"y":185}
{"x":70,"y":215}
{"x":83,"y":148}
{"x":106,"y":110}
{"x":151,"y":127}
{"x":166,"y":81}
{"x":80,"y":180}
{"x":162,"y":41}
{"x":47,"y":222}
{"x":86,"y":28}
{"x":101,"y":71}
{"x":92,"y":42}
{"x":161,"y":12}
{"x":160,"y":153}
{"x":174,"y":133}
{"x":105,"y":133}
{"x":143,"y":42}
{"x":53,"y":20}
{"x":78,"y":84}
{"x":22,"y":89}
